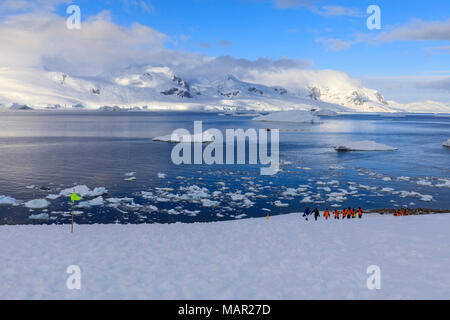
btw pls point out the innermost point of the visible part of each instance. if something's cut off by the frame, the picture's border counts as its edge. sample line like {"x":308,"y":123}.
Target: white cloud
{"x":335,"y":44}
{"x":329,"y":10}
{"x":418,"y":30}
{"x":43,"y":41}
{"x":31,"y":5}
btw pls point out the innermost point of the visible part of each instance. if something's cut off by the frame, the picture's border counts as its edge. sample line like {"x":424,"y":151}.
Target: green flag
{"x":74,"y":197}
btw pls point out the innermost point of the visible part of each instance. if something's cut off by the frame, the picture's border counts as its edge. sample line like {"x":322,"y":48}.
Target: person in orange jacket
{"x":353,"y":213}
{"x":344,"y":213}
{"x":349,"y":213}
{"x":405,"y":212}
{"x":360,"y":212}
{"x":336,"y":214}
{"x":326,"y":214}
{"x":398,"y":213}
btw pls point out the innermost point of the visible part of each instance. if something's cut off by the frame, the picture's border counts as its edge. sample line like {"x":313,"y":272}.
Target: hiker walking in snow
{"x":336,"y":214}
{"x":349,"y":213}
{"x":316,"y":214}
{"x":307,"y":213}
{"x":360,"y":212}
{"x":326,"y":214}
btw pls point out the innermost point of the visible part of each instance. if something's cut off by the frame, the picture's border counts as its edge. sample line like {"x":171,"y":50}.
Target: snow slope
{"x":283,"y":258}
{"x":160,"y":88}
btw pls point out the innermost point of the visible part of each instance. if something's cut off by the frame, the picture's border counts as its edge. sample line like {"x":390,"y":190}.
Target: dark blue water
{"x":55,"y":151}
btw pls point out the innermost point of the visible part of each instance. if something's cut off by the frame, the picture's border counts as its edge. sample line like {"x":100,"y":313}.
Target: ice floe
{"x":204,"y":137}
{"x":446,"y":143}
{"x":91,"y":203}
{"x":40,"y":216}
{"x":366,"y":145}
{"x":298,"y":116}
{"x":37,"y":204}
{"x":84,"y":192}
{"x":4,"y":200}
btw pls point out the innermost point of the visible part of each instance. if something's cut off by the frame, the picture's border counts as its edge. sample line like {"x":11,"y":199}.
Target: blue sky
{"x":295,"y":29}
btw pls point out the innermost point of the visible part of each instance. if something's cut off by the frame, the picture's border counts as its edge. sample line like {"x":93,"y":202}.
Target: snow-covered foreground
{"x":283,"y":258}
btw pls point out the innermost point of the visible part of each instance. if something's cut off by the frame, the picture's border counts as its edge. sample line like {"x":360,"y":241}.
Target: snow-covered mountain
{"x":159,"y":88}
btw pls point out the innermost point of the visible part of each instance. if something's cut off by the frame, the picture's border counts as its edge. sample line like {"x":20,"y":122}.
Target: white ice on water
{"x":297,"y":116}
{"x":365,"y":145}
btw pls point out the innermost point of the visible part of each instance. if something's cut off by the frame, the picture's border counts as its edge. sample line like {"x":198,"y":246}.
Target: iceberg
{"x":40,"y":216}
{"x":446,"y":143}
{"x":363,"y":146}
{"x":84,"y":192}
{"x":297,"y":116}
{"x":204,"y":137}
{"x":4,"y":200}
{"x":91,"y":203}
{"x":37,"y":204}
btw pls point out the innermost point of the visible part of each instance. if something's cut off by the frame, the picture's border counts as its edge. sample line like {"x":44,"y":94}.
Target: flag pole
{"x":73,"y":204}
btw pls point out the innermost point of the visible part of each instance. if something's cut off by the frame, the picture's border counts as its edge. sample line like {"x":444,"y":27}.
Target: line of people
{"x":401,"y":212}
{"x":348,"y":213}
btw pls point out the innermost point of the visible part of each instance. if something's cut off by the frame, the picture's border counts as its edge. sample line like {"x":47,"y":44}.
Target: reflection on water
{"x":50,"y":151}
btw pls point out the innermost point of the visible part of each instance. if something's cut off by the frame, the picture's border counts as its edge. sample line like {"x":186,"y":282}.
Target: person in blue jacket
{"x":307,"y":213}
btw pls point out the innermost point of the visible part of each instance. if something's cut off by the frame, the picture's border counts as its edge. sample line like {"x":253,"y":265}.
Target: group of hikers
{"x":400,"y":213}
{"x":345,"y":213}
{"x":348,"y":213}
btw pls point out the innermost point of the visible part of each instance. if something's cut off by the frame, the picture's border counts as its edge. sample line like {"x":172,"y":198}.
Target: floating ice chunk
{"x":96,"y":192}
{"x":445,"y":183}
{"x":210,"y":203}
{"x":426,"y":198}
{"x":446,"y":143}
{"x":173,"y":212}
{"x":403,"y":178}
{"x":152,"y":208}
{"x":118,"y":200}
{"x":336,"y":168}
{"x":193,"y":213}
{"x":130,"y":174}
{"x":30,"y":187}
{"x":204,"y":137}
{"x":298,"y":116}
{"x":387,"y":190}
{"x":37,"y":204}
{"x":40,"y":216}
{"x":83,"y":191}
{"x":4,"y":200}
{"x":147,"y":195}
{"x":363,"y":146}
{"x":130,"y":179}
{"x":53,"y":196}
{"x":387,"y":179}
{"x":422,"y":182}
{"x":194,"y":192}
{"x":162,"y":175}
{"x":307,"y":199}
{"x":91,"y":203}
{"x":279,"y":204}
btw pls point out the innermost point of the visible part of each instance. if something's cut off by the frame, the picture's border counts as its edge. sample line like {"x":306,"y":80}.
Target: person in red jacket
{"x":336,"y":214}
{"x":326,"y":214}
{"x":405,"y":212}
{"x":360,"y":212}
